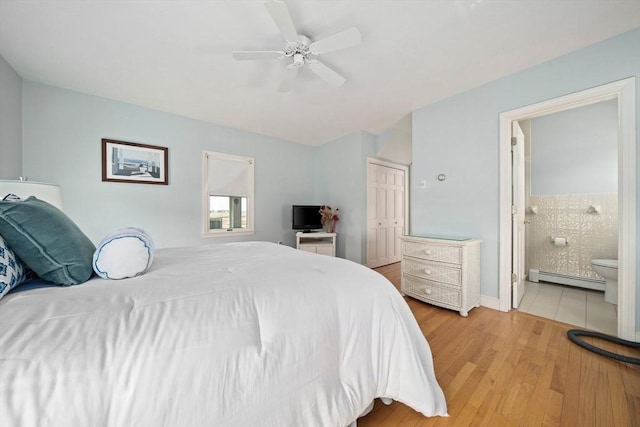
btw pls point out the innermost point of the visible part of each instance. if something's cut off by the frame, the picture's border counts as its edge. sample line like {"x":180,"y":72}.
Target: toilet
{"x":608,"y":268}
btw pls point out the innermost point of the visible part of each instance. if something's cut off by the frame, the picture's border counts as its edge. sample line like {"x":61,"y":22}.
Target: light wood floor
{"x":515,"y":369}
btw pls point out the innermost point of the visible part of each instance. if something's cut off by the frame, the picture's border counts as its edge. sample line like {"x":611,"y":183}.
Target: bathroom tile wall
{"x":589,"y":235}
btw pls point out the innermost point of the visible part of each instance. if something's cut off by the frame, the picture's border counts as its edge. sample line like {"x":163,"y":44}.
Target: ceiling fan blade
{"x":326,"y":73}
{"x":342,"y":40}
{"x":281,"y":16}
{"x":289,"y":78}
{"x":242,"y":55}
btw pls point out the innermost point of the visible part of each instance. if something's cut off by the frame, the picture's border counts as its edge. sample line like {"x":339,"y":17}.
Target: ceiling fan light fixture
{"x":298,"y":60}
{"x":301,"y":49}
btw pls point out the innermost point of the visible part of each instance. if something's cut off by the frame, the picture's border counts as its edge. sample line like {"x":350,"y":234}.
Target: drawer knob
{"x":427,"y":271}
{"x":428,"y":252}
{"x":427,"y":291}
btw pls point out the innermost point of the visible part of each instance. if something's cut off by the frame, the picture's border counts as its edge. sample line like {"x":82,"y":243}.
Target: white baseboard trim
{"x":580,"y":282}
{"x":490,"y":302}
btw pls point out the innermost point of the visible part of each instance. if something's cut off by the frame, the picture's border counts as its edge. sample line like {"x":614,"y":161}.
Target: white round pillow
{"x":127,"y":252}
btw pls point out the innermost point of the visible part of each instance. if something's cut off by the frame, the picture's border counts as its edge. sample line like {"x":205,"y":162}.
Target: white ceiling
{"x":175,"y":56}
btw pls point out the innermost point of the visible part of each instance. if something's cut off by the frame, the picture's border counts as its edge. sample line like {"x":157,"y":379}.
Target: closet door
{"x":385,"y":214}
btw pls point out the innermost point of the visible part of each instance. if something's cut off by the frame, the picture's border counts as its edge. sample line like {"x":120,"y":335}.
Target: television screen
{"x":306,"y":217}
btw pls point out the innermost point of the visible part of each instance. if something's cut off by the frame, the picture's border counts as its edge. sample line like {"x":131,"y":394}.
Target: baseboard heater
{"x":563,"y":279}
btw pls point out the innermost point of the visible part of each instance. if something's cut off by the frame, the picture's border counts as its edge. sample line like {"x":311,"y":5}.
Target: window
{"x":228,"y":194}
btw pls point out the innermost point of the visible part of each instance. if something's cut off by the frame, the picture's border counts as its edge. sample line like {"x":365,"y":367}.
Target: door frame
{"x":625,"y":92}
{"x":373,"y":160}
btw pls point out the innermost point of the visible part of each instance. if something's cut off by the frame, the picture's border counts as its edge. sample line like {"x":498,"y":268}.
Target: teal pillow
{"x":47,"y":241}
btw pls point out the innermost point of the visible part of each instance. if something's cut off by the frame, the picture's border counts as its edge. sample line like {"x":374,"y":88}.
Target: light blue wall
{"x":340,"y":181}
{"x":10,"y":122}
{"x":459,"y":137}
{"x":576,"y":151}
{"x":394,"y":145}
{"x":62,"y":135}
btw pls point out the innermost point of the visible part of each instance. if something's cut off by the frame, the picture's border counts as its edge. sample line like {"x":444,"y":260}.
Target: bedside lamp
{"x":49,"y":193}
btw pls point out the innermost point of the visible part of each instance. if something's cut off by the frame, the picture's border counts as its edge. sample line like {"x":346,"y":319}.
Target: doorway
{"x":624,"y":92}
{"x":387,"y":199}
{"x":570,"y":213}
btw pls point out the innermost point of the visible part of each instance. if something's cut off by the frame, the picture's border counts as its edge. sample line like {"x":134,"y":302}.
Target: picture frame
{"x":134,"y":163}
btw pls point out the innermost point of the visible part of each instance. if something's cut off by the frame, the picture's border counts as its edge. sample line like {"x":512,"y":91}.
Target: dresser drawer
{"x":432,"y":271}
{"x":431,"y":291}
{"x":440,"y":253}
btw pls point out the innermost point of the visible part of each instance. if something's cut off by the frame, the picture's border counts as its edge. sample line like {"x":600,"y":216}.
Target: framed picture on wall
{"x":131,"y":162}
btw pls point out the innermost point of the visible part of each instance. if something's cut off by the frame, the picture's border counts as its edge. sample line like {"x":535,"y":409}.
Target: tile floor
{"x":576,"y":306}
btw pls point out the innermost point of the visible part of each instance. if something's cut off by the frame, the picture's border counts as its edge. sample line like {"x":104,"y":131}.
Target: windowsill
{"x":224,"y":233}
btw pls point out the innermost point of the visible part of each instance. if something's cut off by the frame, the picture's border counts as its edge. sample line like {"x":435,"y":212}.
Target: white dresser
{"x":442,"y":271}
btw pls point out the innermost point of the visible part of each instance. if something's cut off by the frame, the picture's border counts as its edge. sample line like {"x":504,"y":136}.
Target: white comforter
{"x":240,"y":334}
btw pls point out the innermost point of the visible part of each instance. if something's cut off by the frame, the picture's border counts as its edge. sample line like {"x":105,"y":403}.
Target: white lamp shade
{"x":47,"y":192}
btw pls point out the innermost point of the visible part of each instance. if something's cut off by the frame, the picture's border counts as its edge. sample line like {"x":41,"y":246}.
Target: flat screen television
{"x":306,"y":218}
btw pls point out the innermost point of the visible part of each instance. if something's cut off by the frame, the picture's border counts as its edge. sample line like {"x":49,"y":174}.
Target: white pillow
{"x":125,"y":253}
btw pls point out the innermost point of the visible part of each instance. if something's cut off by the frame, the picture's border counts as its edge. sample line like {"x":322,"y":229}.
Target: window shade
{"x":229,"y":175}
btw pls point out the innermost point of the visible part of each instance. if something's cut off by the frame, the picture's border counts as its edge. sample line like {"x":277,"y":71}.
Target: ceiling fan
{"x":300,"y":50}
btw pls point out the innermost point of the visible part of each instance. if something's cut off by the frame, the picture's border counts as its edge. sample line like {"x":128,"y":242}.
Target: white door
{"x":518,"y":215}
{"x":385,"y":213}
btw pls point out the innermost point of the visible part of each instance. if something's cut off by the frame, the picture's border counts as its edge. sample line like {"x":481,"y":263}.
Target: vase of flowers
{"x":329,"y":217}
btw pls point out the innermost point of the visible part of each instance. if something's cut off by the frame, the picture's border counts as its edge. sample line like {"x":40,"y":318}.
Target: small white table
{"x":319,"y":243}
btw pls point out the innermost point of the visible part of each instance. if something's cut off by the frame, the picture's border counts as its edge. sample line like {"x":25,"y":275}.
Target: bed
{"x":234,"y":334}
